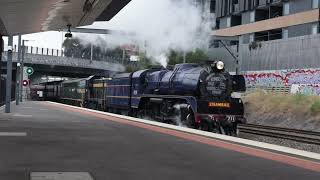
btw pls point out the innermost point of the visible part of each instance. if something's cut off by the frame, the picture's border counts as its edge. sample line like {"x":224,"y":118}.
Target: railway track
{"x":301,"y":136}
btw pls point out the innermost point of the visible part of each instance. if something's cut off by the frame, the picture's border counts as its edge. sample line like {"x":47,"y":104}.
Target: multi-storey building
{"x":263,"y":20}
{"x":287,"y":31}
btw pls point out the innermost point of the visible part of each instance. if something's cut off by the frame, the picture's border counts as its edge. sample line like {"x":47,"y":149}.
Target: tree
{"x":196,"y":56}
{"x":76,"y":48}
{"x":144,"y":62}
{"x":175,"y":57}
{"x":72,"y":48}
{"x":131,"y":68}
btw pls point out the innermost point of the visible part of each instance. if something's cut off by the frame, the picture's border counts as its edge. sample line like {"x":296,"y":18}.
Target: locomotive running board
{"x":235,"y":140}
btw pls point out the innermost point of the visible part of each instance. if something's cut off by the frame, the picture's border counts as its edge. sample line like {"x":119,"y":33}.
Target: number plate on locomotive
{"x":231,"y":119}
{"x":217,"y":104}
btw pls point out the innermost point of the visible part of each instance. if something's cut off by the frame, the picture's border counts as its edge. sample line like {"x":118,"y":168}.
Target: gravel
{"x":282,"y":142}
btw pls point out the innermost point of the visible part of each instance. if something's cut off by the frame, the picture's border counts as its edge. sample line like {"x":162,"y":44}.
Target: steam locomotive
{"x":192,"y":95}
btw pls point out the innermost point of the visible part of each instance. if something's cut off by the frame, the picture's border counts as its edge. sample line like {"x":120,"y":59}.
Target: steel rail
{"x":308,"y":137}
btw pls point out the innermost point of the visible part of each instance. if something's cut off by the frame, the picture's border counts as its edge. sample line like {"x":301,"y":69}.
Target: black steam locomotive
{"x":192,"y":95}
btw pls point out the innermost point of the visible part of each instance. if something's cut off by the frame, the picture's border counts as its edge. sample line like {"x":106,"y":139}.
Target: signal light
{"x":30,"y":71}
{"x":25,"y":83}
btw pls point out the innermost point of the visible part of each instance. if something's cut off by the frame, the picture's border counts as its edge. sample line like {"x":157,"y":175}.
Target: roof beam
{"x":99,"y":31}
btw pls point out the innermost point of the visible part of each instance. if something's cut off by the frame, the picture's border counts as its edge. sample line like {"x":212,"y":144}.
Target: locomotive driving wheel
{"x":206,"y":126}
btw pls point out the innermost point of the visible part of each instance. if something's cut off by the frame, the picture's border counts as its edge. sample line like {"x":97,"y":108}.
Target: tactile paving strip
{"x":60,"y":176}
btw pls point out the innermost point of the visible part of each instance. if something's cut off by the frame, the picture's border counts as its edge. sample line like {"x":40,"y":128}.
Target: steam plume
{"x":160,"y":26}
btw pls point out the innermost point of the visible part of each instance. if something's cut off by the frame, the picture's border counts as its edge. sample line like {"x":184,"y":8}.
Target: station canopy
{"x":30,"y":16}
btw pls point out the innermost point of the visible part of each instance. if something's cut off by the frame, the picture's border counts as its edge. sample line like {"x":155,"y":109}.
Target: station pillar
{"x":18,"y":80}
{"x":9,"y":75}
{"x":1,"y":50}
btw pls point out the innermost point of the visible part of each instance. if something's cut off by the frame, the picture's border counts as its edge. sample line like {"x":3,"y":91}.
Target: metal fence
{"x":293,"y":53}
{"x":61,"y":53}
{"x":41,"y":51}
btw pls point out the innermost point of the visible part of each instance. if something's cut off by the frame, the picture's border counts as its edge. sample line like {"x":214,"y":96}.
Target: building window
{"x":314,"y":29}
{"x":286,"y":8}
{"x":315,"y":4}
{"x":228,"y":21}
{"x":213,"y":6}
{"x":251,"y":37}
{"x":252,"y":16}
{"x":285,"y":33}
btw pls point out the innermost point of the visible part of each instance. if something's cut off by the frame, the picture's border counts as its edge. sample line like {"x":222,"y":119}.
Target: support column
{"x":1,"y":50}
{"x":240,"y":54}
{"x":9,"y":74}
{"x":22,"y":69}
{"x":238,"y":59}
{"x":91,"y":54}
{"x":18,"y":80}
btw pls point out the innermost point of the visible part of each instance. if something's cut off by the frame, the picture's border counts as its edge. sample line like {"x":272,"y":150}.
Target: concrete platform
{"x":41,"y":137}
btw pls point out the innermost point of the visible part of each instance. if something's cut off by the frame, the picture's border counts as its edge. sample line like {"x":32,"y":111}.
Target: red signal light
{"x":25,"y":82}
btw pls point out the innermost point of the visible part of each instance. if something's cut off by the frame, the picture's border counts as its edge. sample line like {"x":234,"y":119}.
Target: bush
{"x":315,"y":107}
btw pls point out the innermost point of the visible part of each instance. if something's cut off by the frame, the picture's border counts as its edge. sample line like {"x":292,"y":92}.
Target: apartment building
{"x":272,"y":34}
{"x":264,"y":20}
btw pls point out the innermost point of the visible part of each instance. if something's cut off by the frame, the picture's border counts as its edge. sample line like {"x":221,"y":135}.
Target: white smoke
{"x":177,"y":117}
{"x":160,"y":26}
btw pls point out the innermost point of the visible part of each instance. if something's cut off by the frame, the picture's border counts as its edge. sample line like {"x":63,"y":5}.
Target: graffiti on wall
{"x":307,"y":89}
{"x":308,"y":80}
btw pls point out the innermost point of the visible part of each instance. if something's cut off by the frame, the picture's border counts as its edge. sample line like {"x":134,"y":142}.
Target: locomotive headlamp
{"x":220,"y":65}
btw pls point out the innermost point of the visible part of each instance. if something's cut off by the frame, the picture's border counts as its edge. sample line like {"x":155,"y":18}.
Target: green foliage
{"x":144,"y":62}
{"x":130,"y":68}
{"x":196,"y":56}
{"x":175,"y":57}
{"x":75,"y":48}
{"x":315,"y":107}
{"x":298,"y":98}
